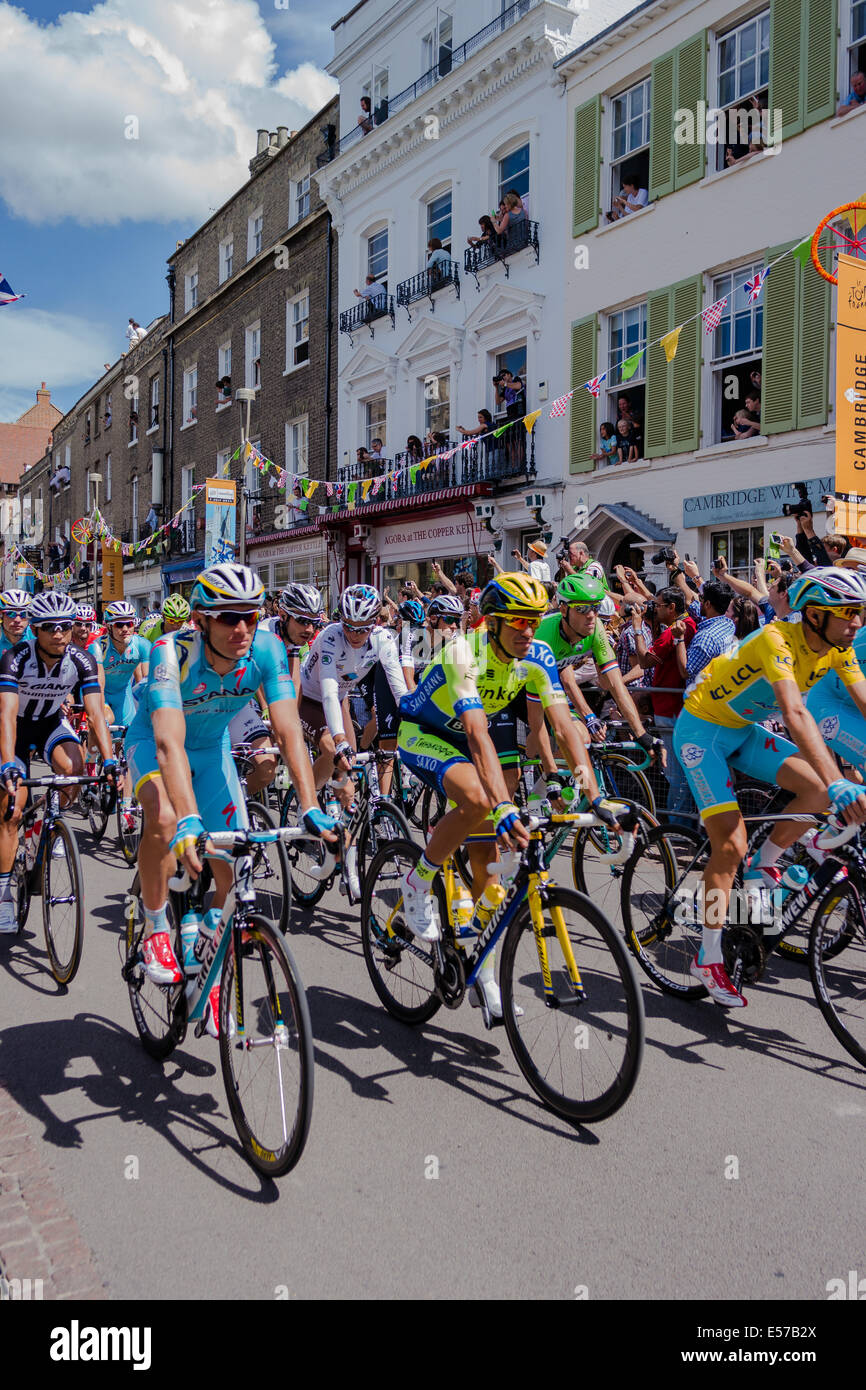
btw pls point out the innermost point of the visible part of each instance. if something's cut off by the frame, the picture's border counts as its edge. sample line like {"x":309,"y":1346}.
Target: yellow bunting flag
{"x":670,"y":343}
{"x":529,"y":420}
{"x":365,"y":488}
{"x":314,"y":483}
{"x":425,"y":463}
{"x":248,"y":449}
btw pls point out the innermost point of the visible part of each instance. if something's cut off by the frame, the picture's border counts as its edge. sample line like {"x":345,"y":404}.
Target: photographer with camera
{"x":806,"y":540}
{"x":574,"y":558}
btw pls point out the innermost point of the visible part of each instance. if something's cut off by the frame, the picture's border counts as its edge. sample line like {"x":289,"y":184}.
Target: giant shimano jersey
{"x":333,"y":668}
{"x":468,"y":674}
{"x":119,"y":666}
{"x":41,"y":691}
{"x":573,"y":653}
{"x":738,"y":687}
{"x":180,"y":677}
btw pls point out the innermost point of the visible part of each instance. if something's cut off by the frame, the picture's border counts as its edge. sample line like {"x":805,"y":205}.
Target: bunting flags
{"x":8,"y":296}
{"x":754,"y":286}
{"x":630,"y":366}
{"x":670,"y":342}
{"x":558,"y":409}
{"x":593,"y":386}
{"x":712,"y":316}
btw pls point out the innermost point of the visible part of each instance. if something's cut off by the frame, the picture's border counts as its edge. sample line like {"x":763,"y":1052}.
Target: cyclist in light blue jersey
{"x":14,"y":627}
{"x":179,"y":749}
{"x":125,"y":660}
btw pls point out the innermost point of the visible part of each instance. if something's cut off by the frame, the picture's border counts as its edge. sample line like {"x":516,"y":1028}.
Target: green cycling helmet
{"x":176,"y":608}
{"x":580,"y":588}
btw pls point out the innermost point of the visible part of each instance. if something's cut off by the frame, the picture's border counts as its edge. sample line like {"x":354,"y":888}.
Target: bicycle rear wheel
{"x":266,"y":1048}
{"x":129,"y":836}
{"x":400,"y":967}
{"x":304,"y":857}
{"x":581,"y":1056}
{"x":600,"y":881}
{"x":62,"y":905}
{"x":159,"y":1011}
{"x":660,"y":902}
{"x":838,"y":970}
{"x":100,"y":807}
{"x":271,"y":876}
{"x":385,"y":823}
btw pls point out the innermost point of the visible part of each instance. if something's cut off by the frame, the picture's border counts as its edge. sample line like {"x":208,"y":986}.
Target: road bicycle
{"x":572,"y":1006}
{"x":271,"y":871}
{"x":265,"y":1037}
{"x":372,"y":820}
{"x":48,"y":865}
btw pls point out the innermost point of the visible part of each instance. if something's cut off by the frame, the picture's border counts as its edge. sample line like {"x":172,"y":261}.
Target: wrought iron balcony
{"x":428,"y":283}
{"x":483,"y":461}
{"x":365,"y":313}
{"x":516,"y":237}
{"x":262,"y":512}
{"x":448,"y":61}
{"x":183,"y":540}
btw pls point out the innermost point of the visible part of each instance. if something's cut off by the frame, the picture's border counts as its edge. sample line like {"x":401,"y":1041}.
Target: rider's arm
{"x":572,"y":747}
{"x":8,"y":724}
{"x":386,"y":650}
{"x":574,"y":692}
{"x":286,"y":728}
{"x":538,"y":728}
{"x":95,"y":707}
{"x":803,"y":731}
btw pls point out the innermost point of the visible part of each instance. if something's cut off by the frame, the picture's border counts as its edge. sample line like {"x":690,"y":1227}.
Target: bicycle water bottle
{"x":32,"y":835}
{"x":190,"y":925}
{"x":490,"y":900}
{"x":795,"y":876}
{"x":332,"y":804}
{"x":462,"y":908}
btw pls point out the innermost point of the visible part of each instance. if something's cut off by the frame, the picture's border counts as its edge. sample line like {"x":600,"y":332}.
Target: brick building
{"x":22,"y":444}
{"x":254,"y":305}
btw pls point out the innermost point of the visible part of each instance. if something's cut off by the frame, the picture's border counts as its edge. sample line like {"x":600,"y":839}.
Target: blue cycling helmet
{"x":413,"y":610}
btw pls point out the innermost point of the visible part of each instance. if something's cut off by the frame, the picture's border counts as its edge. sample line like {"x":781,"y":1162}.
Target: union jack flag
{"x":712,"y":315}
{"x":592,"y":386}
{"x":559,"y":407}
{"x":753,"y":287}
{"x":7,"y":295}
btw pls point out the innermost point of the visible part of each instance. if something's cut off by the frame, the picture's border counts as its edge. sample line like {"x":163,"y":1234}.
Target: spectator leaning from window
{"x":488,"y":232}
{"x":484,"y":426}
{"x":414,"y":448}
{"x":437,"y":257}
{"x":631,"y":199}
{"x":224,"y":390}
{"x":365,"y":119}
{"x":626,"y":440}
{"x":856,"y":96}
{"x":625,"y":412}
{"x":610,"y":450}
{"x":745,"y":425}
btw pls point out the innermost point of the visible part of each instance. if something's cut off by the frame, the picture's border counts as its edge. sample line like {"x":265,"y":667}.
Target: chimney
{"x":273,"y":139}
{"x":282,"y":135}
{"x":292,"y":134}
{"x":43,"y":397}
{"x":261,"y":141}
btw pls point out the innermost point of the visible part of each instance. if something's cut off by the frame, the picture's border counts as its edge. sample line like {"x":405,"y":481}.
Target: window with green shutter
{"x":819,"y":101}
{"x":661,"y":127}
{"x":673,"y":389}
{"x":796,"y":346}
{"x":802,"y":62}
{"x":584,"y":356}
{"x":813,"y":345}
{"x":679,"y":83}
{"x":587,"y":157}
{"x":691,"y":89}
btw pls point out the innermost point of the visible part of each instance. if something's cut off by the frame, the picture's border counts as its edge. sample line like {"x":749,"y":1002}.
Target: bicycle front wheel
{"x":266,"y":1048}
{"x":661,"y":903}
{"x":62,"y":905}
{"x":306,"y":858}
{"x":159,"y":1011}
{"x":580,"y":1055}
{"x":99,"y":807}
{"x":838,"y":970}
{"x":384,"y":824}
{"x":622,"y":781}
{"x":273,"y":882}
{"x":128,"y":829}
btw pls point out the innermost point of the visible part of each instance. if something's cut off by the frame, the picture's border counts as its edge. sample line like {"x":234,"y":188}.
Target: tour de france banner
{"x":850,"y":515}
{"x":220,"y":508}
{"x":112,"y":574}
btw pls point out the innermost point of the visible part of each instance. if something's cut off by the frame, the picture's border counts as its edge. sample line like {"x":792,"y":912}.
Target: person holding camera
{"x":668,"y":671}
{"x":806,"y":540}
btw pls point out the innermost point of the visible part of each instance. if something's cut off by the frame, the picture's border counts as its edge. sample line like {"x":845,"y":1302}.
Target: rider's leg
{"x":264,"y":766}
{"x":484,"y":852}
{"x":67,"y":760}
{"x":155,"y":861}
{"x":726,"y":832}
{"x":386,"y":770}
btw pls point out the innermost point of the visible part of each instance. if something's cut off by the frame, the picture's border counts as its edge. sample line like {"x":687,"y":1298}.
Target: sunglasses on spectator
{"x":523,"y":624}
{"x":55,"y":627}
{"x":228,"y":618}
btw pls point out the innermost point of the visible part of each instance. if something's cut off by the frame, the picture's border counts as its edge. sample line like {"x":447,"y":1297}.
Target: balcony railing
{"x":446,"y":65}
{"x":183,"y":541}
{"x":262,"y":508}
{"x":428,"y":283}
{"x":483,"y":461}
{"x":516,"y":237}
{"x":365,"y":314}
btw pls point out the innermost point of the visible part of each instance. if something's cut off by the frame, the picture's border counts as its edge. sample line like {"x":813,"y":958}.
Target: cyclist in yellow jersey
{"x":444,"y":735}
{"x":720,"y":728}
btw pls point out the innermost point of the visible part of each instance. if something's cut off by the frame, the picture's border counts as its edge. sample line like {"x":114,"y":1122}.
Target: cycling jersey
{"x":6,"y":643}
{"x":738,"y":687}
{"x":573,"y":653}
{"x":839,"y":721}
{"x":273,"y":625}
{"x":155,"y":629}
{"x":41,"y":691}
{"x":119,"y":667}
{"x":333,"y":668}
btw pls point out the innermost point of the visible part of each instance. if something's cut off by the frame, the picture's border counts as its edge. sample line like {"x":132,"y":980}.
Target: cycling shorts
{"x":43,"y":735}
{"x":507,"y":729}
{"x":707,"y":752}
{"x":123,"y":709}
{"x":313,"y":721}
{"x":247,"y":725}
{"x":215,"y":782}
{"x":840,"y":723}
{"x":428,"y":754}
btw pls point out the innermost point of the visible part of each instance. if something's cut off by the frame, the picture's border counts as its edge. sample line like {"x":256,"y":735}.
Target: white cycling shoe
{"x":8,"y":917}
{"x":419,"y":912}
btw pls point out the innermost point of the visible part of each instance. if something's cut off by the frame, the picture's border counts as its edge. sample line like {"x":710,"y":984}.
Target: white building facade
{"x":727,"y":195}
{"x":461,"y":104}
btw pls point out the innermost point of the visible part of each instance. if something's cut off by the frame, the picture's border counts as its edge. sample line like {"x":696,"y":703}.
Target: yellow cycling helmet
{"x":514,"y":596}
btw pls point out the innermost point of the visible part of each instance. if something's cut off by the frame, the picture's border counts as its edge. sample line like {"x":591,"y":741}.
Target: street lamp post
{"x":244,"y":395}
{"x":95,"y":479}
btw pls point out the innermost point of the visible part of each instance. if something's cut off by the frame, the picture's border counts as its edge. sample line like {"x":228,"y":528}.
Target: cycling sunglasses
{"x":368,"y":627}
{"x":304,"y":621}
{"x":54,"y":627}
{"x":846,"y":614}
{"x":523,"y":624}
{"x":584,"y":607}
{"x":229,"y":618}
{"x":123,"y":622}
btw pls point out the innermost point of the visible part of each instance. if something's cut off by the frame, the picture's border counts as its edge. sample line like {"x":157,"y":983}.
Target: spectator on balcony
{"x":610,"y":450}
{"x":362,"y":457}
{"x":856,"y":95}
{"x":373,"y":292}
{"x":524,"y":198}
{"x":435,"y":441}
{"x":414,"y":449}
{"x":626,"y":441}
{"x":511,"y":393}
{"x":488,"y":233}
{"x":511,"y":213}
{"x":365,"y":119}
{"x":437,"y":258}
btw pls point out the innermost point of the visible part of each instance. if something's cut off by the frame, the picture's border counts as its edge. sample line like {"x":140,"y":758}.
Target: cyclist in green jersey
{"x":175,"y":615}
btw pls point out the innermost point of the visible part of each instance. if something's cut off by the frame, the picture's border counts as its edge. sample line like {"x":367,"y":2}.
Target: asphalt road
{"x":640,"y":1206}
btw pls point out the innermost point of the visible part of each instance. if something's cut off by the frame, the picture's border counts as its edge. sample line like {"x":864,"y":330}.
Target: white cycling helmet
{"x":607,"y":609}
{"x":227,"y":586}
{"x":84,"y":613}
{"x":51,"y":607}
{"x":360,"y":604}
{"x":13,"y":601}
{"x":447,"y":606}
{"x":301,"y":601}
{"x":121,"y":611}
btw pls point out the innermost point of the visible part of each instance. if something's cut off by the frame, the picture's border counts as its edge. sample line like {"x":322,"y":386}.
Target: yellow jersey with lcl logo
{"x":738,"y":687}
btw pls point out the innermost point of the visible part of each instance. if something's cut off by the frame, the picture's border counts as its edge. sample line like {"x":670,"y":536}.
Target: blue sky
{"x":88,"y":217}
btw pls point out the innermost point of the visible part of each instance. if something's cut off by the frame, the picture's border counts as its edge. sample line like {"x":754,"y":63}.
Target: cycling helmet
{"x":580,"y":588}
{"x":360,"y":604}
{"x":827,"y":587}
{"x":176,"y":608}
{"x":118,"y":612}
{"x":301,"y":601}
{"x":514,"y":595}
{"x":84,"y":613}
{"x":52,"y":607}
{"x":15,"y":601}
{"x":152,"y":617}
{"x":447,"y":606}
{"x":412,"y":609}
{"x":607,"y":609}
{"x":226,"y":586}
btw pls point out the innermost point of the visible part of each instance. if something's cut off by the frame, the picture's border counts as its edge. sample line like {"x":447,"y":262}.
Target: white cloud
{"x":59,"y":349}
{"x":198,"y":76}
